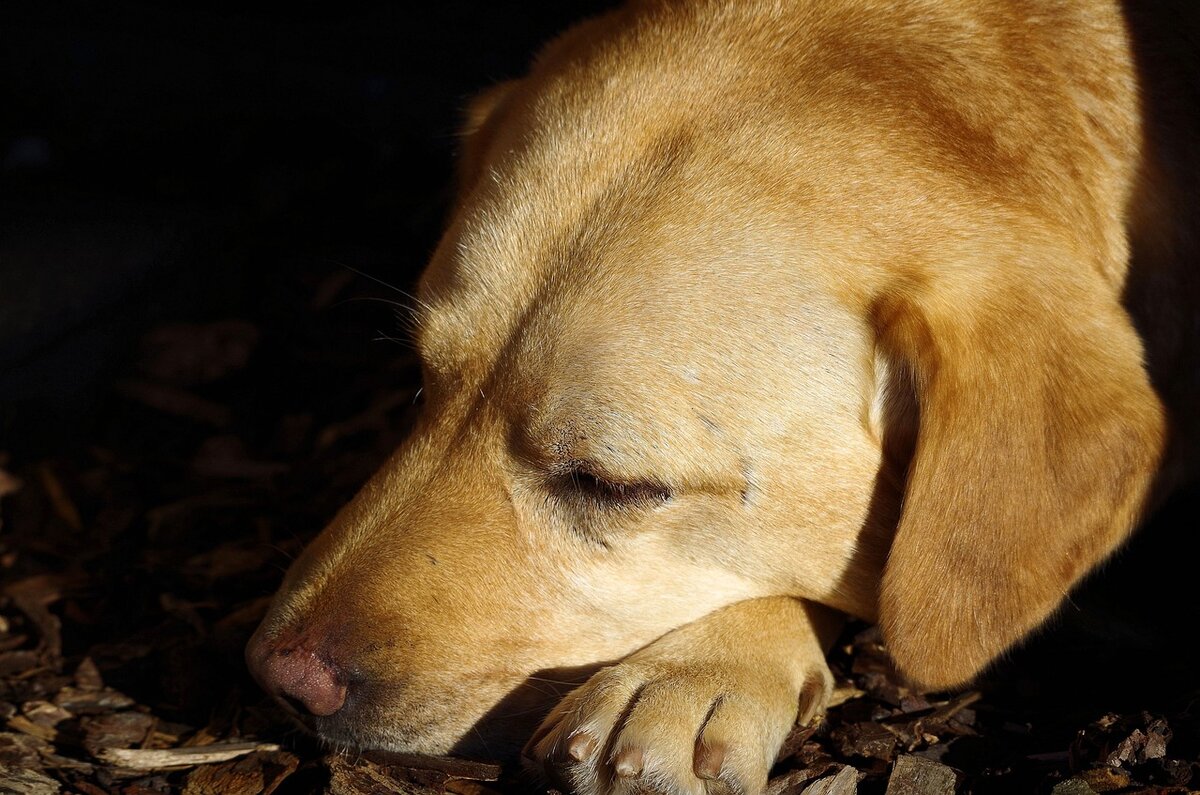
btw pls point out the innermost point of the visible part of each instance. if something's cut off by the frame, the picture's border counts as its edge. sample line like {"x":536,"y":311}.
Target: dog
{"x":750,"y":316}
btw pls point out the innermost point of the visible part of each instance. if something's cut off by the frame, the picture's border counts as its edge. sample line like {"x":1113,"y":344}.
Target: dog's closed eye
{"x":580,"y":483}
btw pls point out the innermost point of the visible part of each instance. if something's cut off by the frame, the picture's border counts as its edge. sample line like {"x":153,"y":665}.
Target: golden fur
{"x":750,"y":313}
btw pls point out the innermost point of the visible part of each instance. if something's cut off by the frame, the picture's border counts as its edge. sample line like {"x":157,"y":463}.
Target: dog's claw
{"x":630,"y":763}
{"x":708,"y":760}
{"x":582,"y":746}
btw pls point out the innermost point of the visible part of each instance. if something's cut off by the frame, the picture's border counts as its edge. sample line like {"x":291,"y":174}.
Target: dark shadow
{"x":504,"y":729}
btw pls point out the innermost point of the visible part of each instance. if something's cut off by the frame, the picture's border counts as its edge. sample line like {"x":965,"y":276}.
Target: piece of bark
{"x":915,"y":775}
{"x":1072,"y":786}
{"x":1106,"y":779}
{"x":173,"y":758}
{"x":43,"y":713}
{"x":795,"y":741}
{"x":914,"y":703}
{"x":65,"y":764}
{"x":243,"y":777}
{"x":115,"y":730}
{"x":844,"y":783}
{"x":33,"y":597}
{"x":150,"y":785}
{"x":21,"y":750}
{"x":1142,"y":746}
{"x":26,"y":726}
{"x":453,"y":767}
{"x":87,"y":675}
{"x":366,"y":778}
{"x":870,"y":740}
{"x":793,"y":782}
{"x":257,"y":774}
{"x":22,"y":781}
{"x":276,"y":766}
{"x":92,"y":702}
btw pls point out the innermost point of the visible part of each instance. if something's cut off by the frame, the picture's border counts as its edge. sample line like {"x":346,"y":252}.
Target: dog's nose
{"x":297,"y":671}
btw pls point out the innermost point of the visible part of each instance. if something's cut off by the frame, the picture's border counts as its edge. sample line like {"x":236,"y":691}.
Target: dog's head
{"x":693,"y":338}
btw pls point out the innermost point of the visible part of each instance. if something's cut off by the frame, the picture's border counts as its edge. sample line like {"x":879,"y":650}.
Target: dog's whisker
{"x":487,"y":749}
{"x":567,"y":682}
{"x":520,"y":713}
{"x":376,"y":299}
{"x":384,"y":337}
{"x":282,"y":551}
{"x":545,"y":691}
{"x":424,"y":306}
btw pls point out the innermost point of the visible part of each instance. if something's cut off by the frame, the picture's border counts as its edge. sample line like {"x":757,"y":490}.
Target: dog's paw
{"x":668,"y":726}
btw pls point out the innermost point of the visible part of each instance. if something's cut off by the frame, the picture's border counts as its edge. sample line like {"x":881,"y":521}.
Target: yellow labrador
{"x":751,"y":314}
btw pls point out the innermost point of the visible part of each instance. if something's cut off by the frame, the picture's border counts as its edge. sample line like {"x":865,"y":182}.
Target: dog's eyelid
{"x":587,"y":478}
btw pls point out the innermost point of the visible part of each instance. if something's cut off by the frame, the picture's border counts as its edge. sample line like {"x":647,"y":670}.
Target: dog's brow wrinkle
{"x":750,"y":487}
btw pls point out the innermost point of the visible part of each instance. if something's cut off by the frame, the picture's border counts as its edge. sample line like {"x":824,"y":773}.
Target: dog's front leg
{"x":704,"y":709}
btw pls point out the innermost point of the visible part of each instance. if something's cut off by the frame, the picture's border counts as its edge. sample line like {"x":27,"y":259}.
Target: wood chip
{"x":1072,"y":786}
{"x":256,"y":774}
{"x":844,"y":783}
{"x":869,"y":740}
{"x":45,"y":714}
{"x":92,"y":702}
{"x":172,"y":758}
{"x":915,"y":775}
{"x":793,"y":782}
{"x":33,"y":597}
{"x":451,"y":766}
{"x":21,"y":750}
{"x":842,"y":693}
{"x":115,"y":730}
{"x":1107,"y":779}
{"x":87,"y":675}
{"x":18,"y":781}
{"x":26,"y":726}
{"x":366,"y":778}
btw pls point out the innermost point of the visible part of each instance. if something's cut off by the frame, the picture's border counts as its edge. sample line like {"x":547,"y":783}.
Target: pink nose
{"x":295,"y":671}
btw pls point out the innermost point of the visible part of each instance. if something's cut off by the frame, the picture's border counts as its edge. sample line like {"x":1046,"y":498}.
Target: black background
{"x":191,"y":160}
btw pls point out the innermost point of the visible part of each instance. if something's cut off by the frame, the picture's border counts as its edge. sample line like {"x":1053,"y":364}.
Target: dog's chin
{"x":484,"y":743}
{"x":348,"y":734}
{"x":423,"y":729}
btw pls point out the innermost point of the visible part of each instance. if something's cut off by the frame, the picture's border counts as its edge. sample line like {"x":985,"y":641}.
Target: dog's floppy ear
{"x":480,"y":117}
{"x":1038,"y":439}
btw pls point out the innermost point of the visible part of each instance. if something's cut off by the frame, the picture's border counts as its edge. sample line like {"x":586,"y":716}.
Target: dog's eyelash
{"x":583,"y":482}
